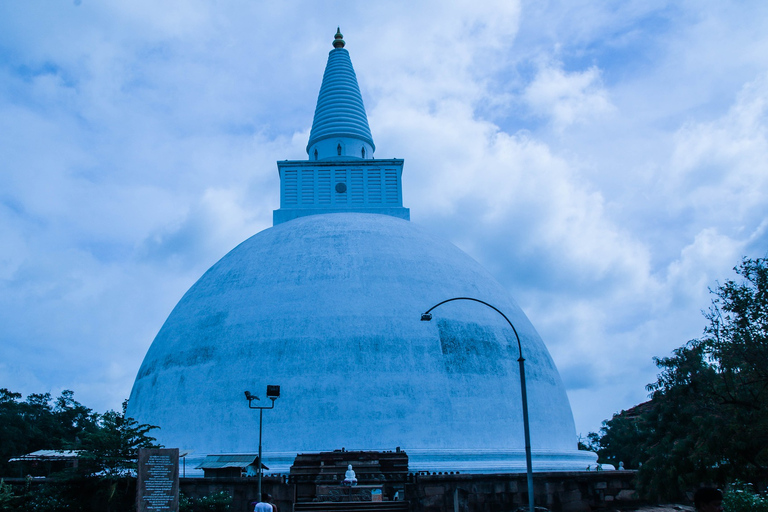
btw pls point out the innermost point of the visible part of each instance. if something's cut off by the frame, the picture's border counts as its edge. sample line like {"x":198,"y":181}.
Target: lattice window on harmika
{"x":374,"y":186}
{"x":307,"y":186}
{"x":290,"y":187}
{"x":324,"y":186}
{"x":356,"y":186}
{"x":392,"y":190}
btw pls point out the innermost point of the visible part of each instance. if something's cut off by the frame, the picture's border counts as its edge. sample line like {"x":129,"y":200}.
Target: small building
{"x":319,"y":476}
{"x":230,"y":465}
{"x":46,"y":462}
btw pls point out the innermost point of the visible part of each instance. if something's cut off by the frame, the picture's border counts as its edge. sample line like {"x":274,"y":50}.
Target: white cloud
{"x":726,"y":160}
{"x":139,"y":143}
{"x":568,"y":98}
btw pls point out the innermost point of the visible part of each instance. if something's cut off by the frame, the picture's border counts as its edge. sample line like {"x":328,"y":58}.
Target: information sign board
{"x":157,"y":488}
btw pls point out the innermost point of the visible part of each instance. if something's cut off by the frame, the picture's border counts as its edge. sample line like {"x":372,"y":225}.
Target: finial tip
{"x":338,"y":39}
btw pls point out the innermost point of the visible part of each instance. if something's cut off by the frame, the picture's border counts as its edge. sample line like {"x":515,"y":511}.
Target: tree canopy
{"x":107,"y":442}
{"x":707,"y":417}
{"x":111,"y":449}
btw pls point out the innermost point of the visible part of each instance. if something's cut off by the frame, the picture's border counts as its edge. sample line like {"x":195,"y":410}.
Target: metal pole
{"x":273,"y":392}
{"x":527,"y":430}
{"x":258,"y":488}
{"x":523,"y":393}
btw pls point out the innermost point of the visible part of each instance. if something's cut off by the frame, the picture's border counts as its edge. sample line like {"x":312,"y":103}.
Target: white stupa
{"x":327,"y":304}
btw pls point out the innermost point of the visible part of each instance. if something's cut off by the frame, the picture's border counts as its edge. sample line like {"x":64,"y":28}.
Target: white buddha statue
{"x":349,"y":476}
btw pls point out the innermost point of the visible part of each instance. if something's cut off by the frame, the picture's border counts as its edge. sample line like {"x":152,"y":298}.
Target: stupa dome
{"x":328,"y":307}
{"x":327,"y":304}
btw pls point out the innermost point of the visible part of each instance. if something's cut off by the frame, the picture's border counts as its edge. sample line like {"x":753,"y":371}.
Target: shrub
{"x":740,"y":498}
{"x":217,"y":502}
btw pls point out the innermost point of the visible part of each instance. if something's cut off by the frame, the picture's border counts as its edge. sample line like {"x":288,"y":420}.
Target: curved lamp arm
{"x":427,"y":316}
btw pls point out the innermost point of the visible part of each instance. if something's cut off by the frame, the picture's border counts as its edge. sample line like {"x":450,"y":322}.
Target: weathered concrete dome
{"x":328,"y":307}
{"x":327,"y":304}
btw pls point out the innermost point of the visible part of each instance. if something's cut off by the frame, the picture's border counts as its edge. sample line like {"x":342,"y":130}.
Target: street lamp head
{"x":249,"y":396}
{"x":273,"y":392}
{"x":426,"y":317}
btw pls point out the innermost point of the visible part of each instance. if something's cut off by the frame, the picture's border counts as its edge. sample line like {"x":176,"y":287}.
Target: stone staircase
{"x":351,"y":506}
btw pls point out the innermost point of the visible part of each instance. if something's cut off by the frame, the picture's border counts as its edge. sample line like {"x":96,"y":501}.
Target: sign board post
{"x":157,"y":489}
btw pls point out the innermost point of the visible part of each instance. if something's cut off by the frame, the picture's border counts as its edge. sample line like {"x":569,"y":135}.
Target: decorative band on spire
{"x":338,"y":41}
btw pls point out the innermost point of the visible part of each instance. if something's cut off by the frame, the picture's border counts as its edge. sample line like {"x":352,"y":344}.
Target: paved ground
{"x":647,"y":508}
{"x":662,"y":508}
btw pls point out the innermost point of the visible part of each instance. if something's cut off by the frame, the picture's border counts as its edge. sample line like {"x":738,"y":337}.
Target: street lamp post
{"x":426,"y":317}
{"x":273,"y":392}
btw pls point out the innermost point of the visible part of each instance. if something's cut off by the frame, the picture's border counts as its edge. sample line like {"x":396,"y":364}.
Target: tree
{"x":707,"y":420}
{"x":108,"y":443}
{"x":112,"y":449}
{"x":37,"y":424}
{"x":627,"y":431}
{"x":73,"y":419}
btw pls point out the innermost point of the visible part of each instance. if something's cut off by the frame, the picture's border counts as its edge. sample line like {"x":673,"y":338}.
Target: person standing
{"x":263,"y":505}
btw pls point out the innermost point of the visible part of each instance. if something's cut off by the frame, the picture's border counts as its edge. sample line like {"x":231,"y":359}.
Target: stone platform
{"x":584,"y":491}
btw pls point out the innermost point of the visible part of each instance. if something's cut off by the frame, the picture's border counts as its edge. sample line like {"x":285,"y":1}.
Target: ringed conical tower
{"x":327,"y":305}
{"x":340,"y":128}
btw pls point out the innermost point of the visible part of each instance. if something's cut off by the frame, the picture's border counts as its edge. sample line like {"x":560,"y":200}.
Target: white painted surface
{"x":340,"y":185}
{"x":328,"y":307}
{"x":340,"y":126}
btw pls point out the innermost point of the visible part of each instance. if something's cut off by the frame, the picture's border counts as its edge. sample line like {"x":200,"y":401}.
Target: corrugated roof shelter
{"x":46,"y":462}
{"x":46,"y":455}
{"x":232,"y":465}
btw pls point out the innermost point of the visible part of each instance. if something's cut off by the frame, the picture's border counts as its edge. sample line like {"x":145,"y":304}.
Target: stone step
{"x":352,"y":506}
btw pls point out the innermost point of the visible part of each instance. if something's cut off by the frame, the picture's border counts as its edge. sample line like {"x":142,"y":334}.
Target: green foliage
{"x":112,"y":449}
{"x":621,"y":438}
{"x":77,"y":494}
{"x":49,"y":499}
{"x":707,"y":420}
{"x":217,"y":502}
{"x":7,"y":497}
{"x":185,"y":503}
{"x":108,"y":445}
{"x":37,"y":423}
{"x":108,"y":442}
{"x":38,"y":499}
{"x":589,"y":444}
{"x":740,"y":498}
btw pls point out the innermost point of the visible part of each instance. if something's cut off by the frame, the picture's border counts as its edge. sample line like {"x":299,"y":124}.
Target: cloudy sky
{"x":607,"y":161}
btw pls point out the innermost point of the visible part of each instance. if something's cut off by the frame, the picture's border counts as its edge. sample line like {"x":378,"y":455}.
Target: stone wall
{"x":242,"y":490}
{"x":557,"y":491}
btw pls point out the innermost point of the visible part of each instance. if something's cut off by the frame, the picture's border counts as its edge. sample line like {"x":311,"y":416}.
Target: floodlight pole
{"x":426,"y":317}
{"x":250,"y":399}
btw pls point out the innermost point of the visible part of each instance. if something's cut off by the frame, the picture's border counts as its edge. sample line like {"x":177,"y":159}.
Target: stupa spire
{"x":340,"y":127}
{"x":341,"y":175}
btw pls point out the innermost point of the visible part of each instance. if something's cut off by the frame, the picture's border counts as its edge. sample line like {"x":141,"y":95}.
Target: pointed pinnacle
{"x":338,"y":41}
